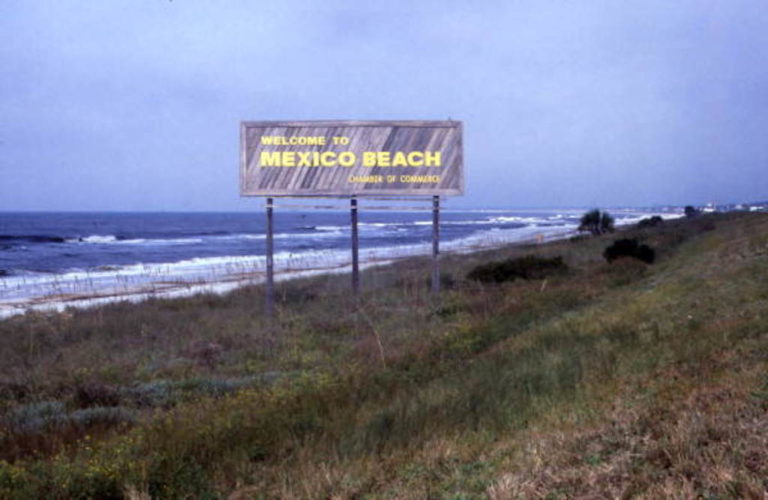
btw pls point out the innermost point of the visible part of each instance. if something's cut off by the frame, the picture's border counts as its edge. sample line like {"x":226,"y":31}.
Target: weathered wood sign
{"x":351,"y":158}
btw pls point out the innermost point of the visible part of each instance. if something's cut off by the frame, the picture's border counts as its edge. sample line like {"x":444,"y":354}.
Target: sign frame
{"x":458,"y":162}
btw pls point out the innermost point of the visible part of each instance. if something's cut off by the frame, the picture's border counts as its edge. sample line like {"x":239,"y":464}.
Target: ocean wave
{"x":95,"y":238}
{"x":634,"y":218}
{"x":119,"y":279}
{"x":394,"y":225}
{"x":114,"y":240}
{"x":480,"y":231}
{"x":403,"y":225}
{"x":484,"y":222}
{"x":512,"y":218}
{"x":288,"y":236}
{"x":110,"y":239}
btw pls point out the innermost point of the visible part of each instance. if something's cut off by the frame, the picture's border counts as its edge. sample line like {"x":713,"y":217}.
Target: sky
{"x":136,"y":104}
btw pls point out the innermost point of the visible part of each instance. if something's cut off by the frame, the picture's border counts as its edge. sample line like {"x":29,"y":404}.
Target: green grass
{"x":608,"y":379}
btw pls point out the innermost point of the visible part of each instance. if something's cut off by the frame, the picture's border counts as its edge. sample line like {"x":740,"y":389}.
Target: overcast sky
{"x":135,"y":105}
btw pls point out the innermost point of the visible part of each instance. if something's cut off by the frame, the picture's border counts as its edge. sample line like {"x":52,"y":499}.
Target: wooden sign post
{"x":270,"y":264}
{"x":351,"y":159}
{"x":436,"y":244}
{"x":355,"y":248}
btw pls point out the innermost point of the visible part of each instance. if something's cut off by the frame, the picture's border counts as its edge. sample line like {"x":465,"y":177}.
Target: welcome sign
{"x":351,"y":158}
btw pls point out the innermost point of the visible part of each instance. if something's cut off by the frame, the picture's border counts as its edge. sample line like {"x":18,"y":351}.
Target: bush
{"x":152,"y":394}
{"x":101,"y":415}
{"x":650,"y":221}
{"x":596,"y":222}
{"x":528,"y":267}
{"x":94,"y":394}
{"x":215,"y":387}
{"x":629,"y":248}
{"x":36,"y":417}
{"x":167,"y":394}
{"x":51,"y":415}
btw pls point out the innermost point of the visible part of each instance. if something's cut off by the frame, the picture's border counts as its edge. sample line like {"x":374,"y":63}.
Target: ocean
{"x":51,"y":260}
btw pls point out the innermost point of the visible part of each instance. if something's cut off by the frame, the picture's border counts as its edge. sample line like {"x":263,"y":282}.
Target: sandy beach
{"x":199,"y":276}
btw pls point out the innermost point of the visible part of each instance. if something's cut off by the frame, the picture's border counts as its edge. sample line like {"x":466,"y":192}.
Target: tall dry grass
{"x":609,"y":379}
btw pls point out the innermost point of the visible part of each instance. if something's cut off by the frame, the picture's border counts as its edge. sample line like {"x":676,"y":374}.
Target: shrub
{"x":151,"y":394}
{"x":50,"y":415}
{"x":528,"y":267}
{"x":14,"y":391}
{"x":690,"y":211}
{"x":167,"y":394}
{"x":36,"y":417}
{"x":596,"y":222}
{"x":96,"y":395}
{"x":629,"y":248}
{"x":215,"y":387}
{"x":650,"y":221}
{"x":103,"y":416}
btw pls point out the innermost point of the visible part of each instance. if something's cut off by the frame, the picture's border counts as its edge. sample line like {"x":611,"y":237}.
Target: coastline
{"x":221,"y":275}
{"x":287,"y":267}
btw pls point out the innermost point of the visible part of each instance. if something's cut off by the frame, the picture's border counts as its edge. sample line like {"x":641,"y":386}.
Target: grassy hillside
{"x":621,"y":379}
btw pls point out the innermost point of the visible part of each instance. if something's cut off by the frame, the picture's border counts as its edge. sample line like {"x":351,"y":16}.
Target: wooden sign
{"x":351,"y":158}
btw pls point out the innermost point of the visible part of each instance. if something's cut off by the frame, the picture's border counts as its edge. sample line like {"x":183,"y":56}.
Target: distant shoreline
{"x":223,"y":273}
{"x":171,"y":289}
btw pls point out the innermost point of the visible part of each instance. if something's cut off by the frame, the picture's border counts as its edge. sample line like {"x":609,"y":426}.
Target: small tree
{"x":690,"y":211}
{"x":596,"y":222}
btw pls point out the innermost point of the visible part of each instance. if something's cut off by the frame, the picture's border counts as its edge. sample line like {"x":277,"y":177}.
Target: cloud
{"x":575,"y":103}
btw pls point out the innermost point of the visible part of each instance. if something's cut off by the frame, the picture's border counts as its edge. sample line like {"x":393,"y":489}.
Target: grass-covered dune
{"x":601,"y":380}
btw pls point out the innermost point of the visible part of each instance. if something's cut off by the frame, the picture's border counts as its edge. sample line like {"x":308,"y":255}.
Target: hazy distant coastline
{"x":96,"y":259}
